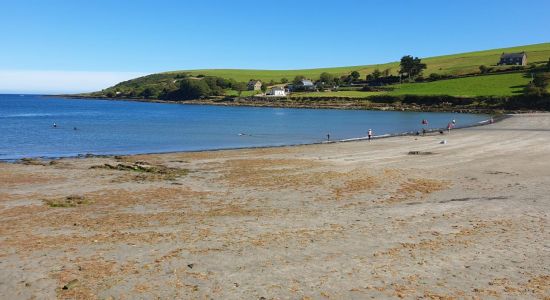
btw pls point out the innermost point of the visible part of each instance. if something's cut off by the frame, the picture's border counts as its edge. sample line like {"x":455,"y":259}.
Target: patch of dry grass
{"x":69,"y":201}
{"x":417,"y":187}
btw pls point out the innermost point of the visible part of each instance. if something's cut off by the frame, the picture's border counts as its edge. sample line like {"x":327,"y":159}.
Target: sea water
{"x":88,"y":126}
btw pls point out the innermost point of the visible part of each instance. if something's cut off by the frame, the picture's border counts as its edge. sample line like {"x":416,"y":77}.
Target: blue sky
{"x":126,"y":38}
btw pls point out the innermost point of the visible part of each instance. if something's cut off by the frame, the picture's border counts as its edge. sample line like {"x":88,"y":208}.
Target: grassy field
{"x":455,"y":64}
{"x":243,"y":94}
{"x":349,"y":94}
{"x":489,"y":85}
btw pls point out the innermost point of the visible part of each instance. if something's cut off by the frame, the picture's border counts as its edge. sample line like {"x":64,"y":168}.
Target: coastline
{"x":430,"y":132}
{"x":397,"y":217}
{"x":335,"y":103}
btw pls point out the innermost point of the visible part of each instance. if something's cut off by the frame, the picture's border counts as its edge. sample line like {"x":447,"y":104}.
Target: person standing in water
{"x":369,"y":134}
{"x":328,"y":137}
{"x":449,"y":127}
{"x":54,"y":125}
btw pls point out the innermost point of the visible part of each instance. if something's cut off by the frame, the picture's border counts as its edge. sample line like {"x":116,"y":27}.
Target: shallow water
{"x":125,"y":127}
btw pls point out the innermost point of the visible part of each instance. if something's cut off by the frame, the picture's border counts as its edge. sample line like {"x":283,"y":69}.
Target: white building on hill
{"x":277,"y":91}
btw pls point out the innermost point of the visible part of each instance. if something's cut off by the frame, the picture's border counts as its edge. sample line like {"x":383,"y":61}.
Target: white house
{"x":277,"y":91}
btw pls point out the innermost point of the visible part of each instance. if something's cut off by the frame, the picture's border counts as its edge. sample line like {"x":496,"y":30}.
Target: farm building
{"x":513,"y":59}
{"x":304,"y":85}
{"x":277,"y":91}
{"x":254,"y":85}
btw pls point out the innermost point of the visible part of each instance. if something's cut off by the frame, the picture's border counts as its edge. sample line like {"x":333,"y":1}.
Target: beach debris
{"x":191,"y":266}
{"x":71,"y":284}
{"x":69,"y":201}
{"x":420,"y":153}
{"x":157,"y":171}
{"x":32,"y":162}
{"x":444,"y":142}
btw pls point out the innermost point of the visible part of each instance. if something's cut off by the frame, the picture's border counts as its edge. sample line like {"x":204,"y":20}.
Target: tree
{"x":284,"y":80}
{"x":411,"y":66}
{"x":298,"y":79}
{"x":355,"y":75}
{"x":376,"y":74}
{"x":326,"y":78}
{"x":192,"y":89}
{"x":147,"y":93}
{"x":240,"y":87}
{"x":533,"y":90}
{"x":548,"y":64}
{"x":541,"y":80}
{"x":387,"y":72}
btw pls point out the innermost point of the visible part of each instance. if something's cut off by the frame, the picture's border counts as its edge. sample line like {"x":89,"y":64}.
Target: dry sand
{"x":468,"y":219}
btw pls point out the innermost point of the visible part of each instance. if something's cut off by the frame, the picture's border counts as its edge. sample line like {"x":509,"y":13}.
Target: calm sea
{"x":124,"y":127}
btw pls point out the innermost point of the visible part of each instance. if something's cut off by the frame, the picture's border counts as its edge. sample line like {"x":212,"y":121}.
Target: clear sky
{"x":80,"y":45}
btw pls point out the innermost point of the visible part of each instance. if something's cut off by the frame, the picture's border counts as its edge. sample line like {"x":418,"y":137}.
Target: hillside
{"x":454,"y":65}
{"x":487,"y":85}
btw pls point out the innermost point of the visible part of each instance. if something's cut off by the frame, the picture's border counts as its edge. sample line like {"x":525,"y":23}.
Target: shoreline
{"x":337,"y":103}
{"x":430,"y":132}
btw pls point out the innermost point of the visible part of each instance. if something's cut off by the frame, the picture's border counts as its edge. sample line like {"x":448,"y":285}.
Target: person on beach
{"x":369,"y":134}
{"x":491,"y":121}
{"x":454,"y":122}
{"x":423,"y":131}
{"x":449,"y":127}
{"x":328,"y":137}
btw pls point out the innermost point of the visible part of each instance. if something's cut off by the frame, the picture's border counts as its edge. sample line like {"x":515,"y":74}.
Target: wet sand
{"x":466,"y":219}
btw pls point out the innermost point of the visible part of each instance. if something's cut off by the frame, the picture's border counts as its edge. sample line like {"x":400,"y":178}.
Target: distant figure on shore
{"x":328,"y":137}
{"x":423,"y":131}
{"x":369,"y":134}
{"x":454,"y":122}
{"x":425,"y":122}
{"x":54,"y":125}
{"x":491,"y":121}
{"x":449,"y":127}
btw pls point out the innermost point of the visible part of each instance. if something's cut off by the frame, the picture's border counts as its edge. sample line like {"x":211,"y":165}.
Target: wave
{"x":29,"y":115}
{"x":34,"y":115}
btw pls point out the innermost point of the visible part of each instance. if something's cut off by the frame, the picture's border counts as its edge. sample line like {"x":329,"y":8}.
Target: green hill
{"x":455,"y":65}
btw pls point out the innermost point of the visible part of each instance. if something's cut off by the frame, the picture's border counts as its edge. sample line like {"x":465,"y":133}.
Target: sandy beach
{"x":403,"y":217}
